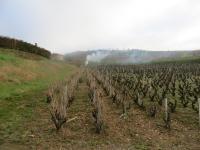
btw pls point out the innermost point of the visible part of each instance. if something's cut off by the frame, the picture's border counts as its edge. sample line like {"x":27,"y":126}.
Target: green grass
{"x":9,"y":89}
{"x":23,"y":83}
{"x":7,"y":58}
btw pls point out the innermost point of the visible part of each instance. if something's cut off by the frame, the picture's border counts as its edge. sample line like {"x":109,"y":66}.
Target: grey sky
{"x":67,"y":25}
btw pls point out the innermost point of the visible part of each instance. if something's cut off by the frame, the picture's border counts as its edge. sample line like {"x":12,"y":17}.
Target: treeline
{"x":11,"y":43}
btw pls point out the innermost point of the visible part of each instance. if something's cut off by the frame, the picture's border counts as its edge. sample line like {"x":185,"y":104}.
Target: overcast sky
{"x":68,"y":25}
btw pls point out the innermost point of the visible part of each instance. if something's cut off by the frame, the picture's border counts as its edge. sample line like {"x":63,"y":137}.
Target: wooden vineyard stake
{"x":199,"y":110}
{"x":166,"y":109}
{"x":167,"y":115}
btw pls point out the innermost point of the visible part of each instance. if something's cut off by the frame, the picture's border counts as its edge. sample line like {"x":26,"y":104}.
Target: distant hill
{"x":132,"y":56}
{"x":78,"y":58}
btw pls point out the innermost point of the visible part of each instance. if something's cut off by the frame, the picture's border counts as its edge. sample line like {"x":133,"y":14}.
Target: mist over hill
{"x":131,"y":56}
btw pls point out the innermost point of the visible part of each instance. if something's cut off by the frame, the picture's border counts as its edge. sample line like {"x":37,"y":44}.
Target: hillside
{"x":24,"y":79}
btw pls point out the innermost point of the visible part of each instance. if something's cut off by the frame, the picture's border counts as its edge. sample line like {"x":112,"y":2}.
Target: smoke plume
{"x":96,"y":57}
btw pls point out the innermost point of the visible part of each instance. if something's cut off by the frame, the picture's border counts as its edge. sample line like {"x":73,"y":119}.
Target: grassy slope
{"x":22,"y":85}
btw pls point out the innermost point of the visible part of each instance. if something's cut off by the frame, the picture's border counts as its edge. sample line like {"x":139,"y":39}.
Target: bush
{"x":10,"y":43}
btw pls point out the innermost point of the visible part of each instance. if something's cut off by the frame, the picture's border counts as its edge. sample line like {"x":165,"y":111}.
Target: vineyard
{"x":155,"y":105}
{"x":99,"y":75}
{"x":48,"y":104}
{"x":153,"y":88}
